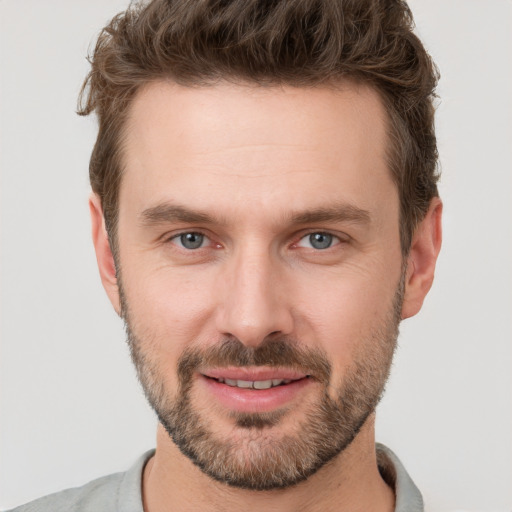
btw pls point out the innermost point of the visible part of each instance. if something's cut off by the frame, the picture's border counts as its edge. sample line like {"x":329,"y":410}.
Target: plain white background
{"x":71,"y":409}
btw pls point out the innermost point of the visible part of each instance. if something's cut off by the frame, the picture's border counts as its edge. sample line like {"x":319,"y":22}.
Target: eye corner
{"x":189,"y":240}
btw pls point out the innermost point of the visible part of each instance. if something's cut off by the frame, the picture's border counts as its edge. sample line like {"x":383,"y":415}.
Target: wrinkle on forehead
{"x":256,"y":150}
{"x":201,"y":119}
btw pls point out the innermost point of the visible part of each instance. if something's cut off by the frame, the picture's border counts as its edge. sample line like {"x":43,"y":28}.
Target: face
{"x":260,"y":271}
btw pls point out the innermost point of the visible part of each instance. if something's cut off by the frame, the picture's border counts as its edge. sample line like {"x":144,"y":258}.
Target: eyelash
{"x":183,"y":233}
{"x":335,"y":240}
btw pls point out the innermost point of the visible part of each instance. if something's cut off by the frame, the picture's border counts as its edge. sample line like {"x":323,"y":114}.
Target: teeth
{"x":257,"y":384}
{"x":262,"y":384}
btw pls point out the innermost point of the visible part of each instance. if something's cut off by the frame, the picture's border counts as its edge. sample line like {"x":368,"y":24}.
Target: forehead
{"x":221,"y":142}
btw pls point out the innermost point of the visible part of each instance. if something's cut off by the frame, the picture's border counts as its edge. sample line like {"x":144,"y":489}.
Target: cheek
{"x":342,"y":313}
{"x":169,"y":307}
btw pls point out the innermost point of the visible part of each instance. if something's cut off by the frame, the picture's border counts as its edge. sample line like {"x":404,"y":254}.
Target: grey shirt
{"x":122,"y":492}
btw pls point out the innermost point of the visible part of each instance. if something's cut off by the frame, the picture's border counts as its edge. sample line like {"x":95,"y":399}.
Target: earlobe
{"x":104,"y":256}
{"x":421,"y":262}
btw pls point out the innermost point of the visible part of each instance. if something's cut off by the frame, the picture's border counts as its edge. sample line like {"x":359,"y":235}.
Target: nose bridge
{"x":254,"y":303}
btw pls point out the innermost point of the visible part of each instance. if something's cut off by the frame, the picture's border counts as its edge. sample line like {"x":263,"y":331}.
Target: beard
{"x":255,"y":455}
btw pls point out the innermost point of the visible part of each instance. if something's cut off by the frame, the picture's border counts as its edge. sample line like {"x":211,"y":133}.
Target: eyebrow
{"x":336,"y":213}
{"x":166,"y":213}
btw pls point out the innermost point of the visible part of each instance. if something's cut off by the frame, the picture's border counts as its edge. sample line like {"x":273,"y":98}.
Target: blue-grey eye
{"x":191,"y":240}
{"x":320,"y":240}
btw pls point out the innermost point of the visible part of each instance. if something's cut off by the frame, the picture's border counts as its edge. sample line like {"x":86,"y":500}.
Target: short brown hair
{"x":302,"y":43}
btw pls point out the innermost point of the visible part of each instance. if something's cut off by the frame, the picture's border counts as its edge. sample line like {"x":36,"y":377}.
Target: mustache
{"x":281,"y":352}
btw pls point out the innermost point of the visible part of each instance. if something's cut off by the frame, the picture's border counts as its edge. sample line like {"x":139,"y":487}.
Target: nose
{"x":254,"y":302}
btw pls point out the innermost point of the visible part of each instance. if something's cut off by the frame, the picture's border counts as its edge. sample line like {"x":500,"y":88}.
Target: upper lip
{"x":254,"y":374}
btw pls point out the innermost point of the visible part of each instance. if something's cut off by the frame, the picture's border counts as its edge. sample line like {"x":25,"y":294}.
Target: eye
{"x":318,"y":241}
{"x":190,"y":240}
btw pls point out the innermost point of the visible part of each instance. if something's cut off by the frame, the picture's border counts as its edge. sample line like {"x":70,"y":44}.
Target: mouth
{"x":256,"y":384}
{"x":255,"y":390}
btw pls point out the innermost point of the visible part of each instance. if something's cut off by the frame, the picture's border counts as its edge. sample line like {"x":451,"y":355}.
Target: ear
{"x":104,"y":255}
{"x":421,"y":262}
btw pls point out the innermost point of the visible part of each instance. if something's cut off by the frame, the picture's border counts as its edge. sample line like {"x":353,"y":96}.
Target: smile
{"x":255,"y":384}
{"x":255,"y":389}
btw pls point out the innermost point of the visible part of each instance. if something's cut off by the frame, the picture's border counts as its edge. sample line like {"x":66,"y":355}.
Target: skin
{"x":280,"y":153}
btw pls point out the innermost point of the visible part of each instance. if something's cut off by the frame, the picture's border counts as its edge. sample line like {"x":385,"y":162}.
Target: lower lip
{"x":255,"y":400}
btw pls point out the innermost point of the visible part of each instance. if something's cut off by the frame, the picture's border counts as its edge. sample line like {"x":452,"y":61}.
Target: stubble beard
{"x":257,"y":457}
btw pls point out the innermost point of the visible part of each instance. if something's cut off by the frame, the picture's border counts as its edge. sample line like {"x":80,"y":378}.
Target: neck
{"x":350,"y":482}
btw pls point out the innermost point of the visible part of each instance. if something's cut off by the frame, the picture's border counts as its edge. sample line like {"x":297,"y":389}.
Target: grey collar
{"x":407,"y":495}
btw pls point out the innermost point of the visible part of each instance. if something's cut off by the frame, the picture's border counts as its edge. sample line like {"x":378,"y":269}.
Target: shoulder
{"x":111,"y":493}
{"x":96,"y":495}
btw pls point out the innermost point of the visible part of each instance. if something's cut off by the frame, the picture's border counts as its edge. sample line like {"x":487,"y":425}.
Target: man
{"x":264,"y":214}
